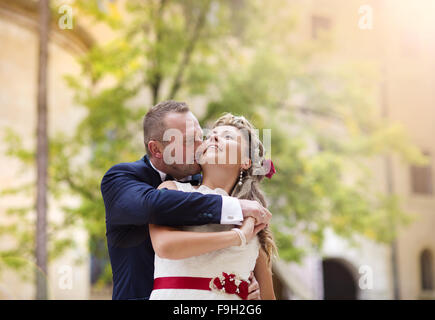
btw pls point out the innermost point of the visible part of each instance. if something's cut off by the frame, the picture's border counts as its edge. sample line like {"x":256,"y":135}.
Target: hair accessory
{"x":269,"y":164}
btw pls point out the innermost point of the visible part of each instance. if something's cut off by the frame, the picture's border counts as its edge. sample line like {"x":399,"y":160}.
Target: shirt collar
{"x":162,"y":174}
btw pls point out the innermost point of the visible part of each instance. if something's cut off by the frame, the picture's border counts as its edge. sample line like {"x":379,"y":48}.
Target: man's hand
{"x":249,"y":229}
{"x":251,"y":208}
{"x":254,"y":288}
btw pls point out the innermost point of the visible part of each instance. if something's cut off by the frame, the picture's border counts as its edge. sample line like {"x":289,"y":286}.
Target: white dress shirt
{"x":231,"y":210}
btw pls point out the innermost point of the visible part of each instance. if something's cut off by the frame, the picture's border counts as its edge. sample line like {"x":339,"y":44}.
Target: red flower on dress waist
{"x":243,"y":290}
{"x":230,"y":284}
{"x":217,"y":282}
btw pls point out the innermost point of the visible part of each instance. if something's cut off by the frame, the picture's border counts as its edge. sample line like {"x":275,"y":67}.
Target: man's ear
{"x":155,"y":148}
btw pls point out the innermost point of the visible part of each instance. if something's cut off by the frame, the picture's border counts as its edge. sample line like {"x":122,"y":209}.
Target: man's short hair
{"x":153,"y":122}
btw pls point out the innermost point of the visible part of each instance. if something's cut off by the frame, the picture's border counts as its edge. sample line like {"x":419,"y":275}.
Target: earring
{"x":240,"y":177}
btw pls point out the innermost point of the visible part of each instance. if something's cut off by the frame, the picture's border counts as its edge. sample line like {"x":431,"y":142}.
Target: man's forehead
{"x":181,"y":120}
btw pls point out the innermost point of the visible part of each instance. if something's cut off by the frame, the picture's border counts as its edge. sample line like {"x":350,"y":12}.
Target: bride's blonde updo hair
{"x":251,"y":178}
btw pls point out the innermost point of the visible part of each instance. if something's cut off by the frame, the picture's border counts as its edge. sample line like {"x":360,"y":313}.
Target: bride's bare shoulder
{"x":168,"y":185}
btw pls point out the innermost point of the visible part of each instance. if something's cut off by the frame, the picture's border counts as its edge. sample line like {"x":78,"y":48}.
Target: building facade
{"x":67,"y":276}
{"x":398,"y":38}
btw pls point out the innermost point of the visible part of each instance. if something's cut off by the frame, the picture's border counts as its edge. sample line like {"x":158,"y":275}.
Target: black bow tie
{"x":195,"y":180}
{"x":169,"y":178}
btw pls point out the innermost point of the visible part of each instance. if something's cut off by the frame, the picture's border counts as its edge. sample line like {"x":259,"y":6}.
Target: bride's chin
{"x":215,"y":166}
{"x":207,"y":160}
{"x":211,"y":160}
{"x":208,"y":163}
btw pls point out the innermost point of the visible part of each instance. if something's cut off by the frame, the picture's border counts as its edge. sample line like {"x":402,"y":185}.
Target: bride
{"x":215,"y":261}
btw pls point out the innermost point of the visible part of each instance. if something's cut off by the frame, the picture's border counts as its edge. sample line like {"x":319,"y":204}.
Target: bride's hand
{"x":249,"y":229}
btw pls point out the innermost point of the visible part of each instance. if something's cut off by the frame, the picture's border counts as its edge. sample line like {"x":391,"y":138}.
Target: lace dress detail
{"x":236,"y":260}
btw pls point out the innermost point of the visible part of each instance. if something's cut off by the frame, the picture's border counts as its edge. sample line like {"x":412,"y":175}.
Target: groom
{"x":132,"y":201}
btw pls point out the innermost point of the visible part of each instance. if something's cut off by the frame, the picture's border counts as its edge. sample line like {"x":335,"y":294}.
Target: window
{"x":426,"y":270}
{"x":421,"y":179}
{"x":319,"y":25}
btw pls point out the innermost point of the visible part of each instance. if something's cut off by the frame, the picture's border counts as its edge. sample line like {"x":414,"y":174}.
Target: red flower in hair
{"x":272,"y":170}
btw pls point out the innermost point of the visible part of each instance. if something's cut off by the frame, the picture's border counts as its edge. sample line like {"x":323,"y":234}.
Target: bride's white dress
{"x":233,"y":260}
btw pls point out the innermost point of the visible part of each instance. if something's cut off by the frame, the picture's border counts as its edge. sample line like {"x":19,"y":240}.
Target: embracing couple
{"x":173,"y":233}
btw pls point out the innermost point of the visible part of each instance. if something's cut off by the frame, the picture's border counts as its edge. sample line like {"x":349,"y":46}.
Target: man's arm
{"x":128,"y":200}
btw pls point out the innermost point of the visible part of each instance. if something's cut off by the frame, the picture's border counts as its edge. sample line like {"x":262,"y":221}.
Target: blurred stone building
{"x":68,"y":279}
{"x":400,"y":41}
{"x":398,"y":38}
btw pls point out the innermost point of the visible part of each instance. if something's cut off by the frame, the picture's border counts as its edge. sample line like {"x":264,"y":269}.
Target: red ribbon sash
{"x":197,"y":283}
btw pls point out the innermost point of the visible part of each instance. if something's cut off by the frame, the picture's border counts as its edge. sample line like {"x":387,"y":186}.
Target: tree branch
{"x":189,"y":51}
{"x":67,"y":177}
{"x":156,"y":77}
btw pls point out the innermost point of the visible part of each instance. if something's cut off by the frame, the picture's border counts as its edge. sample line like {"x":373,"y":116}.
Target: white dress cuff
{"x":231,"y":211}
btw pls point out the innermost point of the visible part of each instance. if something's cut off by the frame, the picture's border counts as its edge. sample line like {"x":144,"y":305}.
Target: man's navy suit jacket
{"x":132,"y":202}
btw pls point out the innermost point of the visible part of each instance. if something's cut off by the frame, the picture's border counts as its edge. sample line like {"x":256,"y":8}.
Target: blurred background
{"x":346,"y":86}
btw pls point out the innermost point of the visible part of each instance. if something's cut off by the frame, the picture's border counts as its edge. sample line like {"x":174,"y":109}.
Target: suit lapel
{"x":195,"y":179}
{"x":155,"y":176}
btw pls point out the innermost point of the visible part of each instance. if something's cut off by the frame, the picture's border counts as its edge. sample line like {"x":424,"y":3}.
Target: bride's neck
{"x":219,"y":178}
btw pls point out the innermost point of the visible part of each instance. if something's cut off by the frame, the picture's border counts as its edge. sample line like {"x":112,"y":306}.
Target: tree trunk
{"x":42,"y":153}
